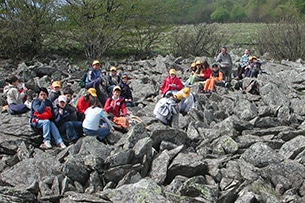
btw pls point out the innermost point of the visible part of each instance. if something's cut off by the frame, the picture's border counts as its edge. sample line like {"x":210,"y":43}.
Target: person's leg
{"x":55,"y":133}
{"x":229,"y":74}
{"x":68,"y":128}
{"x":207,"y":83}
{"x":89,"y":132}
{"x":212,"y":84}
{"x":45,"y":126}
{"x":78,"y":128}
{"x":103,"y":131}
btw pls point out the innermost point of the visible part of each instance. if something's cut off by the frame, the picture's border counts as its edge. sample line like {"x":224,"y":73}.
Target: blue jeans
{"x":70,"y":128}
{"x":48,"y":128}
{"x":100,"y":133}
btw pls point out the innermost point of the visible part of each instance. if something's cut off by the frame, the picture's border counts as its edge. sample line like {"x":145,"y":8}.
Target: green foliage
{"x":220,"y":15}
{"x":237,"y":14}
{"x":300,"y":6}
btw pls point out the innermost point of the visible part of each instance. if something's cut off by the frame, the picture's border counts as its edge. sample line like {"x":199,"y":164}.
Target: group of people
{"x":53,"y":112}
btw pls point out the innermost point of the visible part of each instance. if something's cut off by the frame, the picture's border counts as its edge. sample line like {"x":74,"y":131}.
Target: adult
{"x":16,"y":98}
{"x":216,"y":76}
{"x":95,"y":122}
{"x":126,"y":91}
{"x":171,"y":83}
{"x":253,"y":68}
{"x":187,"y":101}
{"x":94,"y":80}
{"x":83,"y":103}
{"x":225,"y":61}
{"x":64,"y":122}
{"x":205,"y":71}
{"x":42,"y":117}
{"x":113,"y":79}
{"x":243,"y":62}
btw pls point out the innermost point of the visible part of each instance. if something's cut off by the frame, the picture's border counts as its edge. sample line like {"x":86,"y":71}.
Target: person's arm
{"x":107,"y":106}
{"x":207,"y":73}
{"x":178,"y":84}
{"x":104,"y":118}
{"x":219,"y":59}
{"x":123,"y":109}
{"x":164,"y":87}
{"x":38,"y":106}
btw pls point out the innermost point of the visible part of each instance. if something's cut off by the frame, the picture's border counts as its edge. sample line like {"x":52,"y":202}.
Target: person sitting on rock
{"x":216,"y":76}
{"x":96,"y":123}
{"x":54,"y":92}
{"x":187,"y":101}
{"x":204,"y":72}
{"x":68,"y":92}
{"x":16,"y":98}
{"x":167,"y":110}
{"x":113,"y":79}
{"x":126,"y":91}
{"x":192,"y":79}
{"x":42,"y":117}
{"x":63,"y":120}
{"x":83,"y":103}
{"x":253,"y":68}
{"x":243,"y":62}
{"x":171,"y":83}
{"x":116,"y":109}
{"x":94,"y":80}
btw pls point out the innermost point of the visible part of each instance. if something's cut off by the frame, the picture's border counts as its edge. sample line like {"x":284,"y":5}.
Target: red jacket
{"x":166,"y":84}
{"x":114,"y":107}
{"x":207,"y":73}
{"x":82,"y":105}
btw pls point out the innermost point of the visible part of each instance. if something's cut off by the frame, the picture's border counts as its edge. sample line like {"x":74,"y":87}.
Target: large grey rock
{"x":245,"y":110}
{"x":76,"y":170}
{"x":293,"y":147}
{"x":11,"y":194}
{"x":175,"y":136}
{"x":224,"y":145}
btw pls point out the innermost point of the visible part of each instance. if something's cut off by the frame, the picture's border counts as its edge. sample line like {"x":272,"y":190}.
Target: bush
{"x":284,"y":40}
{"x":198,"y":40}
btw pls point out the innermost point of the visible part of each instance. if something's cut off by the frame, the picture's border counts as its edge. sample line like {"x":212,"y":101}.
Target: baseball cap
{"x":92,"y":92}
{"x":56,"y":84}
{"x":95,"y":62}
{"x":186,"y":92}
{"x":178,"y":96}
{"x":112,"y":68}
{"x":172,"y":71}
{"x":116,"y":88}
{"x":62,"y":98}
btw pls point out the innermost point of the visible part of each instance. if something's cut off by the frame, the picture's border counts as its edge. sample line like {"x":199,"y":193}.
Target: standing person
{"x":126,"y":91}
{"x":216,"y":76}
{"x":171,"y":83}
{"x":15,"y":97}
{"x":187,"y":101}
{"x":225,"y":61}
{"x":42,"y":117}
{"x":92,"y":125}
{"x":54,"y":92}
{"x":243,"y":62}
{"x":113,"y":79}
{"x":83,"y":103}
{"x":64,"y":122}
{"x":94,"y":80}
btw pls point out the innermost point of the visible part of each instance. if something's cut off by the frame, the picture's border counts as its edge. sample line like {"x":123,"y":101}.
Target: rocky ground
{"x":232,"y":147}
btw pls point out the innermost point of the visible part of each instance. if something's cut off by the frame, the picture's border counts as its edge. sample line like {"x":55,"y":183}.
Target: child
{"x":216,"y":76}
{"x":171,"y":83}
{"x":83,"y":103}
{"x":15,"y":97}
{"x":55,"y":92}
{"x":113,"y":79}
{"x":68,"y":92}
{"x":126,"y":91}
{"x":92,"y":125}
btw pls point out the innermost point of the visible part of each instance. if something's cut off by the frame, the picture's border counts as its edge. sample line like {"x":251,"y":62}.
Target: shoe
{"x":46,"y":145}
{"x":62,"y":145}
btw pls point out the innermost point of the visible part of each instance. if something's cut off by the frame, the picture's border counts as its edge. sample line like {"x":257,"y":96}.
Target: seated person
{"x":95,"y":122}
{"x":54,"y":92}
{"x":171,"y":83}
{"x":83,"y":103}
{"x":253,"y":68}
{"x":243,"y":62}
{"x":193,"y":76}
{"x":42,"y":117}
{"x":126,"y":91}
{"x":116,"y":109}
{"x":68,"y":92}
{"x":167,"y":111}
{"x":187,"y":101}
{"x":216,"y":76}
{"x":94,"y":80}
{"x":63,"y":121}
{"x":204,"y":72}
{"x":16,"y":98}
{"x":113,"y":79}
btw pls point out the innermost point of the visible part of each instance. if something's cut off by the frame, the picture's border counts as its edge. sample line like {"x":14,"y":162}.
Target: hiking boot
{"x":62,"y":145}
{"x":46,"y":145}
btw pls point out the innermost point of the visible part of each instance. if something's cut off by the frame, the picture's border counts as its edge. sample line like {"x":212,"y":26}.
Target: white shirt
{"x":92,"y":118}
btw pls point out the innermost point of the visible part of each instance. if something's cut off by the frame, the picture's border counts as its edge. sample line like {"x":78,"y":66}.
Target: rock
{"x":11,"y":194}
{"x":225,"y":145}
{"x":120,"y":158}
{"x":75,"y":169}
{"x":293,"y":147}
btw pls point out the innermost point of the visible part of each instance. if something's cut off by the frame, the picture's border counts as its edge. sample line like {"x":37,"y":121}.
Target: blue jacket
{"x":39,"y":107}
{"x":93,"y":75}
{"x":60,"y":119}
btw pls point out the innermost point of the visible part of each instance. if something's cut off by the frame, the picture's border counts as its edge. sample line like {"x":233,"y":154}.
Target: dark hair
{"x":215,"y":65}
{"x":205,"y":64}
{"x":68,"y":90}
{"x":43,"y":89}
{"x":10,"y":79}
{"x":94,"y":102}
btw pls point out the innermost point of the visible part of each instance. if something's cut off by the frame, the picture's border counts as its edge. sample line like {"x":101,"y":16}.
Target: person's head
{"x":246,"y":52}
{"x":205,"y":64}
{"x":113,"y":70}
{"x":12,"y":79}
{"x":92,"y":92}
{"x":224,"y":50}
{"x":198,"y":64}
{"x":186,"y":92}
{"x":252,"y":59}
{"x":68,"y":92}
{"x":116,"y":91}
{"x":62,"y":101}
{"x":124,"y":78}
{"x":172,"y":72}
{"x":215,"y":67}
{"x":193,"y":66}
{"x":56,"y":86}
{"x":96,"y":64}
{"x":177,"y":97}
{"x":42,"y":93}
{"x":94,"y":102}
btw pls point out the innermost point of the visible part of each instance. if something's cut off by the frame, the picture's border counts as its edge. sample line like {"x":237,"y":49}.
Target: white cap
{"x":62,"y":98}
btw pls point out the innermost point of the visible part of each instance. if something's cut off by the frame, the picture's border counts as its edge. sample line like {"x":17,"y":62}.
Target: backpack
{"x":82,"y":82}
{"x":166,"y":111}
